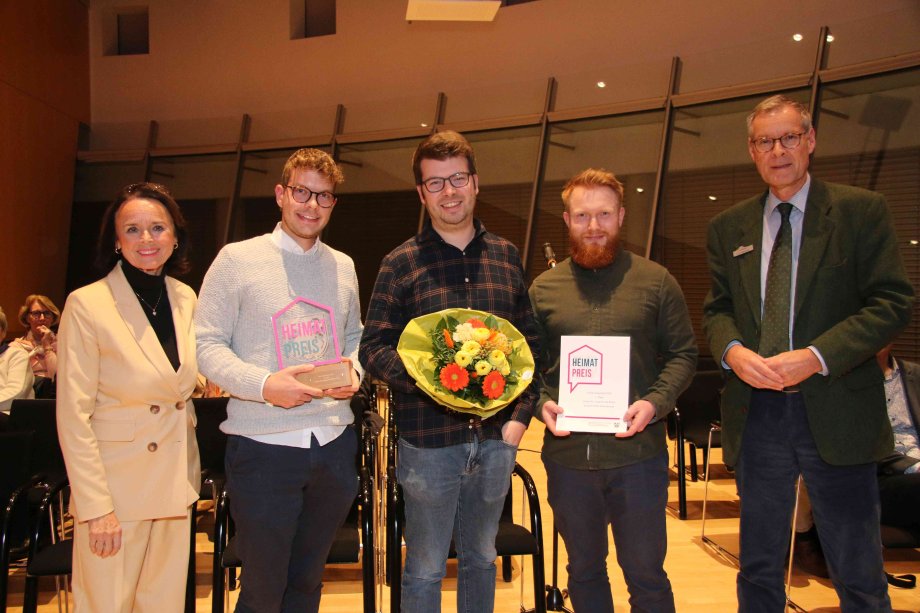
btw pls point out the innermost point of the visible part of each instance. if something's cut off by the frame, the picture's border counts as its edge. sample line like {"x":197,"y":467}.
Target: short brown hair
{"x":592,"y":177}
{"x":312,"y":159}
{"x":106,"y":257}
{"x":775,"y":103}
{"x":46,"y":303}
{"x":442,"y":146}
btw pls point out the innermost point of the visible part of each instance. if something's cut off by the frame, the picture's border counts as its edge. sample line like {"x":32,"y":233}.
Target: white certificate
{"x":594,"y":383}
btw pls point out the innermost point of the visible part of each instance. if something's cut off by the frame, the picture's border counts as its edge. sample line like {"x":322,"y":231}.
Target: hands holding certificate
{"x":638,"y":416}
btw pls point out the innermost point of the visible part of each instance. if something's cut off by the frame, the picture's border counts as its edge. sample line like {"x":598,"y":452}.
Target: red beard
{"x":593,"y":256}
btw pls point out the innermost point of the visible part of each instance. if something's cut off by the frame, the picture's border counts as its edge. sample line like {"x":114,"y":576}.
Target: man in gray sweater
{"x":617,"y":480}
{"x":266,"y":303}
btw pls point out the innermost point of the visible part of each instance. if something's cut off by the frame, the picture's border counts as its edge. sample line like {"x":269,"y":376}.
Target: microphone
{"x":549,"y":255}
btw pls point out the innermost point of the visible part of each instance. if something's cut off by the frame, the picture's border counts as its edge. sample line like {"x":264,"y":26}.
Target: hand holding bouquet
{"x":467,"y":360}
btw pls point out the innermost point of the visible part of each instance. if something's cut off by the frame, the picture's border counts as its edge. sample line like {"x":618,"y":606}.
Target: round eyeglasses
{"x":436,"y":184}
{"x":305,"y":194}
{"x":765,"y":144}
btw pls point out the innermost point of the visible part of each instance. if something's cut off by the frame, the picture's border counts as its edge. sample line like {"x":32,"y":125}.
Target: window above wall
{"x":126,"y":31}
{"x":310,"y":18}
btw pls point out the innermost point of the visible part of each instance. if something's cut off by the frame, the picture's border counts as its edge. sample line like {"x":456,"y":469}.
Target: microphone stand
{"x":555,"y":598}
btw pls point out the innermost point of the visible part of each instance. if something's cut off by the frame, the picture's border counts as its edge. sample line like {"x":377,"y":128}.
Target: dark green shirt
{"x":632,"y":297}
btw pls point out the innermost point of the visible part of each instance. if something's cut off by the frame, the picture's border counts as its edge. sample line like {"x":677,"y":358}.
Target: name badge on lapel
{"x":742,"y":250}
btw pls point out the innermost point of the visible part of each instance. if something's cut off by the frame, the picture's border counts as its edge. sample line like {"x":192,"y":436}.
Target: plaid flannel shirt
{"x":423,"y":275}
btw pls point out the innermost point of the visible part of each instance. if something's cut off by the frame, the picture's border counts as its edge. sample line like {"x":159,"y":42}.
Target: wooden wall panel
{"x":44,"y":95}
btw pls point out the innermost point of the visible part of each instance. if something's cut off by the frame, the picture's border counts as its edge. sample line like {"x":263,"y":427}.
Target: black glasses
{"x":436,"y":184}
{"x":304,"y":194}
{"x":765,"y":144}
{"x":41,"y":314}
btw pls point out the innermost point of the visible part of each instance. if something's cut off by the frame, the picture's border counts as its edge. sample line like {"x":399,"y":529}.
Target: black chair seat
{"x":230,"y":559}
{"x":52,"y":560}
{"x":899,"y":538}
{"x":515,"y":540}
{"x":345,"y":550}
{"x":347,"y":546}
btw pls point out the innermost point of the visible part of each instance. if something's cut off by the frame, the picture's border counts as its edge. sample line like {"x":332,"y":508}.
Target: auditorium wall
{"x":44,"y":97}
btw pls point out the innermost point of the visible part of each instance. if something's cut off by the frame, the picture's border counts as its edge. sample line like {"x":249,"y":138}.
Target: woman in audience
{"x":15,"y":374}
{"x":39,"y":315}
{"x":126,"y":423}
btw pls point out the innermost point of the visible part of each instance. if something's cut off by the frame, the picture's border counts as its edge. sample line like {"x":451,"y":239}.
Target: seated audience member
{"x":39,"y":315}
{"x":898,"y":473}
{"x":15,"y":374}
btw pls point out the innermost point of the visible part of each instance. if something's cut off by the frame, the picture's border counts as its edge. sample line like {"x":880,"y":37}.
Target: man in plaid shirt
{"x":454,"y":468}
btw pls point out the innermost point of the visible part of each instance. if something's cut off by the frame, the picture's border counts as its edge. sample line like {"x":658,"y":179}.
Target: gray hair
{"x":775,"y":103}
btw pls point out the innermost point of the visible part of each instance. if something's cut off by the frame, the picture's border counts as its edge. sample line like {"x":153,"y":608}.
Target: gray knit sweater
{"x":248,"y":282}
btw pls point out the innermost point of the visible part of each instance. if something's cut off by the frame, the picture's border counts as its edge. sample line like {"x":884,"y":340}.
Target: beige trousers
{"x":147,"y":575}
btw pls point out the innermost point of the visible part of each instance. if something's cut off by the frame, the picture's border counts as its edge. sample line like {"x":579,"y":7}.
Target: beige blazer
{"x":125,"y":418}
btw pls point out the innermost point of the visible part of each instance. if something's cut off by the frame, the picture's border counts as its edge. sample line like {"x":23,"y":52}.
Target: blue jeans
{"x":776,"y":446}
{"x":631,"y":500}
{"x":287,"y":504}
{"x":456,"y":491}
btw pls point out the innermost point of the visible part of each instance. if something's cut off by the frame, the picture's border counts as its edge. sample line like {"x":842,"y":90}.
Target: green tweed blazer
{"x":852,"y":297}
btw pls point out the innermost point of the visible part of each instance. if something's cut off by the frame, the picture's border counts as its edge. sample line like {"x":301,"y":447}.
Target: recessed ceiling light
{"x":423,"y":124}
{"x":830,"y":38}
{"x":640,"y":189}
{"x":797,"y":37}
{"x":601,"y":84}
{"x":713,"y":198}
{"x":914,"y":242}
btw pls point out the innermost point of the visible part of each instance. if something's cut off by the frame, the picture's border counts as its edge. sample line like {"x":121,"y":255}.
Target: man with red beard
{"x":616,"y":479}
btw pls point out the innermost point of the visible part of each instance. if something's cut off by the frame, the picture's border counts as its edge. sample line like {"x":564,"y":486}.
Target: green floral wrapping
{"x":487,"y":377}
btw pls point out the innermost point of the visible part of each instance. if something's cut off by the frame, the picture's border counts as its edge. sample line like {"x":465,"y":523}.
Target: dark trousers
{"x":631,"y":500}
{"x":900,"y":495}
{"x":776,"y":446}
{"x":287,"y":504}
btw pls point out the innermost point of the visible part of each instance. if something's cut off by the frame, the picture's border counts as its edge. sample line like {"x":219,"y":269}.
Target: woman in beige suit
{"x":126,"y":373}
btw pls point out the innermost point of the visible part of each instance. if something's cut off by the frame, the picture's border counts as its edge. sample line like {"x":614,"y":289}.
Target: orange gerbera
{"x":455,"y":378}
{"x":447,"y":338}
{"x":476,"y":323}
{"x":493,"y":386}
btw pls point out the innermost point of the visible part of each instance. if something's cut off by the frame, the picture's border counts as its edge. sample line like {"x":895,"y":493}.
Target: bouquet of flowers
{"x":467,"y":360}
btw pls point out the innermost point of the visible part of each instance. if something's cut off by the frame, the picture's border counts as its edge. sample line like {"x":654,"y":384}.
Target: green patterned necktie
{"x":774,"y":333}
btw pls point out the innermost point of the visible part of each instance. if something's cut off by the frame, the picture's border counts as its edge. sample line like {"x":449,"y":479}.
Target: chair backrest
{"x":16,"y":460}
{"x":38,"y":416}
{"x":212,"y":443}
{"x":699,"y":405}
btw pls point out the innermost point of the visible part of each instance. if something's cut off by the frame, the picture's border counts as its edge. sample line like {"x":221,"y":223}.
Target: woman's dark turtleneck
{"x":151,"y":290}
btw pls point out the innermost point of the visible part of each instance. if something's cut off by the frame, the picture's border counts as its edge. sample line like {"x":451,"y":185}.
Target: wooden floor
{"x":703,"y":581}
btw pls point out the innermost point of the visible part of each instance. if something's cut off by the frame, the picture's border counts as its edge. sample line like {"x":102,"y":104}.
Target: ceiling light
{"x":450,"y":10}
{"x":601,"y":84}
{"x":640,"y":189}
{"x":914,"y":242}
{"x":713,"y":198}
{"x":797,"y":37}
{"x":830,"y":38}
{"x":423,"y":124}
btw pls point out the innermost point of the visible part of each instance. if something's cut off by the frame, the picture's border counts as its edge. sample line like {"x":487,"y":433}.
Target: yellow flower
{"x":483,"y":368}
{"x":497,"y":358}
{"x":505,"y":369}
{"x":463,"y":359}
{"x":471,"y":347}
{"x":481,"y":334}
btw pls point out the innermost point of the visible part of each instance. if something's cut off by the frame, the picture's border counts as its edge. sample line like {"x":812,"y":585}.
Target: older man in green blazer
{"x":807,"y":285}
